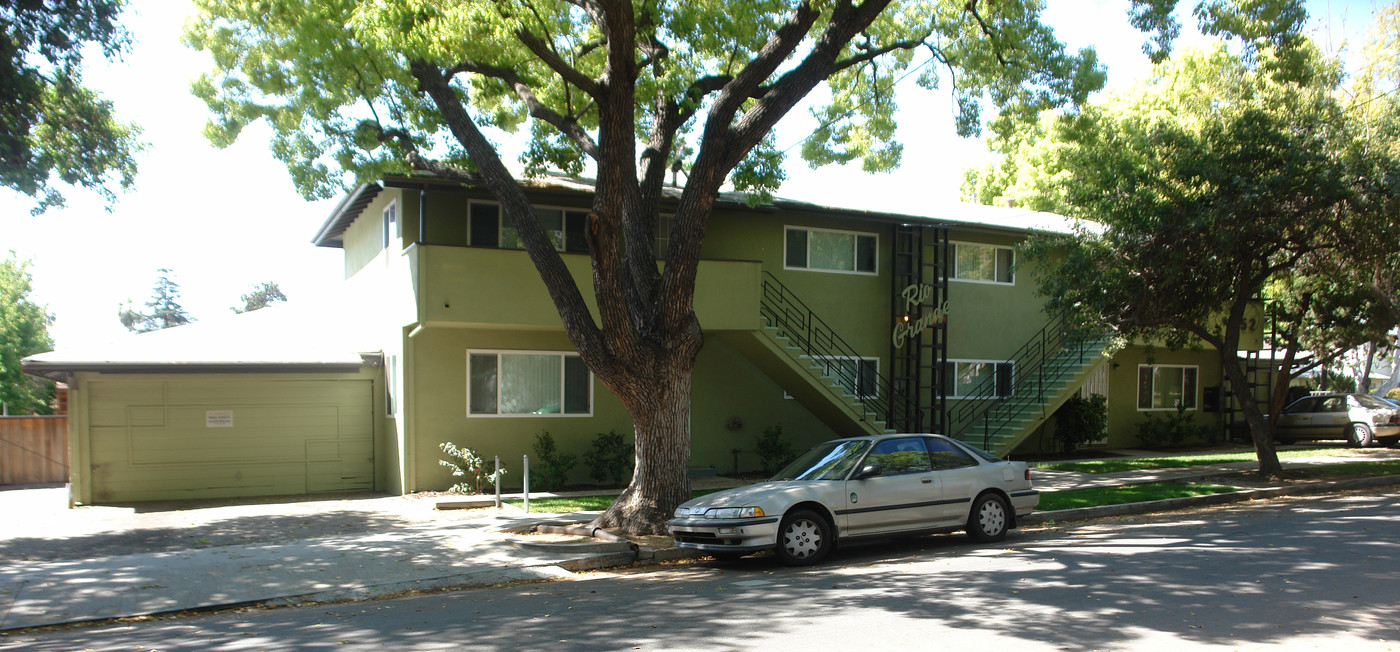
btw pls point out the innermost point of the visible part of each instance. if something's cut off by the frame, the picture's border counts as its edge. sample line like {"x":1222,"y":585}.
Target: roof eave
{"x":59,"y":371}
{"x":341,"y":216}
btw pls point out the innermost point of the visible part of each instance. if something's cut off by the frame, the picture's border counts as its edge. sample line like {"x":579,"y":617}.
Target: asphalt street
{"x":1288,"y":574}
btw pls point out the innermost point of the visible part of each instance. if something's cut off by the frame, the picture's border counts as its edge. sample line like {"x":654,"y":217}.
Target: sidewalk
{"x":426,"y":552}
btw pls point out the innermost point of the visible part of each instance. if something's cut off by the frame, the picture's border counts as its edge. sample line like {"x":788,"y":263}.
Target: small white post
{"x":527,"y":483}
{"x":498,"y":482}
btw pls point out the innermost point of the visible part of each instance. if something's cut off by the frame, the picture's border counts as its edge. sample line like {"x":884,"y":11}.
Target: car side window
{"x":947,"y":456}
{"x":900,"y":456}
{"x":1334,"y":404}
{"x":1305,"y":405}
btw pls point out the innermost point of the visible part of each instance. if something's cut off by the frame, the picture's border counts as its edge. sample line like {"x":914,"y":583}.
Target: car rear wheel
{"x":989,"y":519}
{"x":804,"y":539}
{"x":1360,"y":435}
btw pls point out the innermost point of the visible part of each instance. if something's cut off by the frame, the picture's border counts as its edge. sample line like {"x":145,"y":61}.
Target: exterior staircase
{"x":814,"y":365}
{"x":1048,"y":370}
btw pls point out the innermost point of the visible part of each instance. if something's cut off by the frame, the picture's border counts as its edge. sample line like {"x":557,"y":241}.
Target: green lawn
{"x":1181,"y":461}
{"x":1382,"y":467}
{"x":1134,"y":493}
{"x":580,"y":503}
{"x":565,"y":505}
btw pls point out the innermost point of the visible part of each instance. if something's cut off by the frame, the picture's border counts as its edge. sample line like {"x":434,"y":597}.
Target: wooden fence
{"x":33,"y":449}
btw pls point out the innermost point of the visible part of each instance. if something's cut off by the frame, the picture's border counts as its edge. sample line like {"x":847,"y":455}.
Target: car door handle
{"x":926,"y":480}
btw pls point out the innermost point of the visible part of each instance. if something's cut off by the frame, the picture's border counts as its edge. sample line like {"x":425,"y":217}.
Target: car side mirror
{"x":869,"y":471}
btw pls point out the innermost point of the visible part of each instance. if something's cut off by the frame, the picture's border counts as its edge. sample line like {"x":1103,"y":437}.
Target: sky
{"x":224,"y":221}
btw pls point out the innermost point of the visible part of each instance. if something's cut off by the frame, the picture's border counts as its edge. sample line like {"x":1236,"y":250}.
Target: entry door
{"x":903,"y":497}
{"x":1297,"y":419}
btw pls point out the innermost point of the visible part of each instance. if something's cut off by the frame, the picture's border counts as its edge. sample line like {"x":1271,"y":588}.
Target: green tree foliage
{"x":355,"y":89}
{"x":24,"y":331}
{"x":1215,"y":183}
{"x":261,"y":296}
{"x":52,"y":128}
{"x":165,"y":309}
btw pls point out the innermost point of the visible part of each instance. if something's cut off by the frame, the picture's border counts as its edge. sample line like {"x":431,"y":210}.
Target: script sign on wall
{"x":913,"y":323}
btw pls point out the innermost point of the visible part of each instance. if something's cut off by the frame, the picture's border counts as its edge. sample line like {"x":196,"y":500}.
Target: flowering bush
{"x":465,"y":463}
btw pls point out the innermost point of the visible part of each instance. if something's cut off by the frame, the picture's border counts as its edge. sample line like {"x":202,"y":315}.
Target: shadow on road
{"x":1224,"y":576}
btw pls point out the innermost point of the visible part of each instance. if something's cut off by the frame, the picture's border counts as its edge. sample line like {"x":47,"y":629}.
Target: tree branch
{"x":567,"y":125}
{"x":573,"y":311}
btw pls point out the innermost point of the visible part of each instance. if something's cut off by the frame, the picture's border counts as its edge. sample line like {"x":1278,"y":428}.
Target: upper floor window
{"x":1166,"y":387}
{"x":391,"y":222}
{"x":983,"y":263}
{"x":563,"y":227}
{"x":528,"y":383}
{"x":980,"y":378}
{"x":831,"y":251}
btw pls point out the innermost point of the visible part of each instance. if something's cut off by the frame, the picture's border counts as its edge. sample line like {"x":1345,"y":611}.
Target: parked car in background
{"x":860,"y":487}
{"x":1360,"y":419}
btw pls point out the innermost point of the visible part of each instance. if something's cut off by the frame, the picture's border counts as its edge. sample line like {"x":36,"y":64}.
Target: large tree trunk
{"x":1261,"y":430}
{"x":659,"y":405}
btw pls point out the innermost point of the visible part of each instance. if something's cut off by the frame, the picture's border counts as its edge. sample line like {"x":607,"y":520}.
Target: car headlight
{"x":734,"y":512}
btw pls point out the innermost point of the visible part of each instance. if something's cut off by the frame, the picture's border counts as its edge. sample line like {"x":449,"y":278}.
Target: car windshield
{"x":829,"y":461}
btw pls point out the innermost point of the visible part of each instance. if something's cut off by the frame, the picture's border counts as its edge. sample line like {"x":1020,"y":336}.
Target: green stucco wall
{"x":726,"y":386}
{"x":481,"y":298}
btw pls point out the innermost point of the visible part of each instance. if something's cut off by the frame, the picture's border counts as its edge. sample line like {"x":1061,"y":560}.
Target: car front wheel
{"x":1360,"y":435}
{"x":989,"y":519}
{"x":804,"y":539}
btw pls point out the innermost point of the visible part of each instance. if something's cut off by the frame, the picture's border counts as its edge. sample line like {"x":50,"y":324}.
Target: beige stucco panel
{"x":208,"y":435}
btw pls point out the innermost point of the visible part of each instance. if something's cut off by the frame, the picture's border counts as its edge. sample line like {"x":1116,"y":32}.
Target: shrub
{"x":1081,"y":420}
{"x":774,"y":451}
{"x":550,"y":468}
{"x":465,"y":463}
{"x":1172,"y":429}
{"x":610,"y":458}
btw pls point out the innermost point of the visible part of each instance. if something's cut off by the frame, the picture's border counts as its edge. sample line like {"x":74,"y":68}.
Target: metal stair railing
{"x":783,"y":310}
{"x":1036,"y":366}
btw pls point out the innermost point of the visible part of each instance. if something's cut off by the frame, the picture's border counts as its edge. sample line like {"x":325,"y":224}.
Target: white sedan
{"x":860,"y":487}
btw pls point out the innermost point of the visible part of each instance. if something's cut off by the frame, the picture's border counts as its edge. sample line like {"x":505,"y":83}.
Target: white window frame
{"x":390,"y":216}
{"x":995,"y":365}
{"x":807,"y":257}
{"x":391,"y":385}
{"x":1012,"y":270}
{"x":1195,"y":394}
{"x":826,"y":369}
{"x":501,"y":227}
{"x":563,"y":381}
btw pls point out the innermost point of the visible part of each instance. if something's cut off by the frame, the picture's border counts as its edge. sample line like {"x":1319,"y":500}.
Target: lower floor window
{"x":1166,"y":387}
{"x":528,"y":383}
{"x":981,"y":378}
{"x":855,"y":375}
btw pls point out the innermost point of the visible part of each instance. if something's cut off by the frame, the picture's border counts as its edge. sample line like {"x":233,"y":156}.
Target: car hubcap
{"x":802,"y":539}
{"x":992,"y":517}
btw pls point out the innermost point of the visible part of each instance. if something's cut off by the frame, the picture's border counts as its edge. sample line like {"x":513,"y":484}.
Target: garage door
{"x":214,"y":437}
